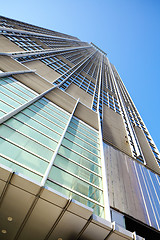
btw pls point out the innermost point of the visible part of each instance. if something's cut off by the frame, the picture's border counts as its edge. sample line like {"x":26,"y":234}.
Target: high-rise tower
{"x":77,"y":161}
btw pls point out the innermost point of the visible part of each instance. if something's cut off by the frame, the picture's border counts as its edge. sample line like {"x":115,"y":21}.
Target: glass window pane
{"x":9,"y":101}
{"x":22,"y":156}
{"x":54,"y":108}
{"x":80,"y":150}
{"x":46,"y":115}
{"x":150,"y":186}
{"x":24,"y":89}
{"x":84,"y":132}
{"x":73,"y":138}
{"x":33,"y":133}
{"x":52,"y":111}
{"x":25,"y":142}
{"x":19,"y":169}
{"x":32,"y":115}
{"x":1,"y":113}
{"x":84,"y":137}
{"x":79,"y":159}
{"x":13,"y":95}
{"x":75,"y":184}
{"x":77,"y":170}
{"x":38,"y":126}
{"x":18,"y":92}
{"x":146,"y":196}
{"x":5,"y":107}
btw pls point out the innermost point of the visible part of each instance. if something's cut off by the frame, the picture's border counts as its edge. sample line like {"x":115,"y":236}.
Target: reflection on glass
{"x":79,"y":159}
{"x":147,"y":195}
{"x":98,"y":210}
{"x":75,"y":167}
{"x":22,"y":170}
{"x":77,"y":170}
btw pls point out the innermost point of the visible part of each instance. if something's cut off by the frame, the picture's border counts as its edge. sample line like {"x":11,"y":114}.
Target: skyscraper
{"x":77,"y":161}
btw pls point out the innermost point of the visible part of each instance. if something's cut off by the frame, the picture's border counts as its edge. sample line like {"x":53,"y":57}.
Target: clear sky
{"x":128,"y":30}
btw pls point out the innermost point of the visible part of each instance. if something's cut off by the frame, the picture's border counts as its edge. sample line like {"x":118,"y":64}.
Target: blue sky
{"x":128,"y":30}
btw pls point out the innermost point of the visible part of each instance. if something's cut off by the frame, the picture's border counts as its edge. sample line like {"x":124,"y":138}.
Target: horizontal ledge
{"x":6,"y":74}
{"x":40,"y":52}
{"x":4,"y":54}
{"x":4,"y":30}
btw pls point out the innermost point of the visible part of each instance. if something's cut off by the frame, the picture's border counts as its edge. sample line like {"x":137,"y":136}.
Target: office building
{"x":77,"y":161}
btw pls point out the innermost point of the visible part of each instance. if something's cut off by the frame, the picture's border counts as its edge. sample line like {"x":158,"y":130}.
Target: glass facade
{"x":76,"y":171}
{"x":149,"y":184}
{"x":13,"y":94}
{"x":28,"y":141}
{"x":29,"y":138}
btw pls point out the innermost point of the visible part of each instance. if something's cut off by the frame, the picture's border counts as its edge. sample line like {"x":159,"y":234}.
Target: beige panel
{"x":87,"y":115}
{"x":126,"y":185}
{"x":43,"y":70}
{"x":95,"y":231}
{"x":62,"y":99}
{"x":8,"y":46}
{"x":120,"y":182}
{"x":7,"y":64}
{"x":33,"y":81}
{"x":77,"y":92}
{"x":134,"y":191}
{"x":147,"y":152}
{"x":108,"y":165}
{"x":114,"y":131}
{"x":123,"y":187}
